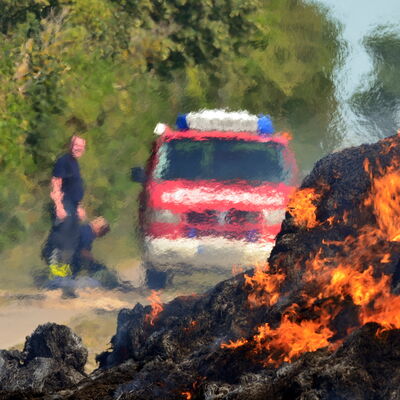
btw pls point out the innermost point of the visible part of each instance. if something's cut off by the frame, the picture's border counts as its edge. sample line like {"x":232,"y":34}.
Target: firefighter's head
{"x":100,"y":226}
{"x":77,"y":146}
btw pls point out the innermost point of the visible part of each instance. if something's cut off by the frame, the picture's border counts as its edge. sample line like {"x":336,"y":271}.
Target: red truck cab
{"x":215,"y":193}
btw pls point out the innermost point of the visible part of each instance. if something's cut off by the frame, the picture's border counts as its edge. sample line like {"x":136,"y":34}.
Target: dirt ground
{"x":92,"y":314}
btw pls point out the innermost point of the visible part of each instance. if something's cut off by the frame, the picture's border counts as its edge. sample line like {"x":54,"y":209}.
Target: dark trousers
{"x":63,"y":238}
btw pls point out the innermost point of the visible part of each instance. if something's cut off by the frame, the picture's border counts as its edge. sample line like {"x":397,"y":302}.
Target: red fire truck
{"x":215,"y":191}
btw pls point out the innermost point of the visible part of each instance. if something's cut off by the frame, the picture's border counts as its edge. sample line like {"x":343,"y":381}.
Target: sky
{"x":359,"y":18}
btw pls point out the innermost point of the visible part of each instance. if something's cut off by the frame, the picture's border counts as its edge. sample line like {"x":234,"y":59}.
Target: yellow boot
{"x":61,"y":270}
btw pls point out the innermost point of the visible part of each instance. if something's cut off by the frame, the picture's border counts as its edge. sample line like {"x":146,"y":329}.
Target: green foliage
{"x":13,"y":12}
{"x":196,"y":31}
{"x":110,"y":70}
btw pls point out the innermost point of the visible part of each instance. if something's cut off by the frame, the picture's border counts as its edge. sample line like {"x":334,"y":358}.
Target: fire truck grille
{"x":231,"y":217}
{"x":206,"y":217}
{"x":238,"y":217}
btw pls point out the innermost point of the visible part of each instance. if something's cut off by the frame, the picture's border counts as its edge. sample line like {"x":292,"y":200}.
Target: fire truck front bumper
{"x":211,"y":253}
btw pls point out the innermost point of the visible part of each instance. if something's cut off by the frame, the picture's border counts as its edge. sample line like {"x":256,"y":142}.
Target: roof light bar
{"x":221,"y":120}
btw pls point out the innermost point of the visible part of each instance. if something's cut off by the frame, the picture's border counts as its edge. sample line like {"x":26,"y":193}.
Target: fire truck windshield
{"x":221,"y":160}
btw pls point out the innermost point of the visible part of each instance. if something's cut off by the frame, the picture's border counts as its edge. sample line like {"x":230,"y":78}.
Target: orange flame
{"x":361,"y":286}
{"x":187,"y":395}
{"x":385,"y":200}
{"x":234,"y":345}
{"x":302,"y":207}
{"x":156,"y":306}
{"x":264,"y":286}
{"x":191,"y":326}
{"x":385,"y":311}
{"x":354,"y":274}
{"x":291,"y":339}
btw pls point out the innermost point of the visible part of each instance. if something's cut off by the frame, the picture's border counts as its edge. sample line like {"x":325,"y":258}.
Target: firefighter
{"x":83,"y":261}
{"x":67,"y":194}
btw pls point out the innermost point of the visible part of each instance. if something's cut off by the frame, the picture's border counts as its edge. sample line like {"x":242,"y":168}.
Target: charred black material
{"x":53,"y":359}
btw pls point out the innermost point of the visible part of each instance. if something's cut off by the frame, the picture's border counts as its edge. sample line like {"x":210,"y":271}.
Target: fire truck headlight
{"x":165,"y":216}
{"x":274,"y":217}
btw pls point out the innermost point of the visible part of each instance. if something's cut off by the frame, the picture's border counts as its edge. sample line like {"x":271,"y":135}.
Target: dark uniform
{"x":85,"y":242}
{"x":84,"y":265}
{"x":64,"y":236}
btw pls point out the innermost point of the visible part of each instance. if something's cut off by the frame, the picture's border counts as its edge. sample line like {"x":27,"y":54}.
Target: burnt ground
{"x":178,"y":354}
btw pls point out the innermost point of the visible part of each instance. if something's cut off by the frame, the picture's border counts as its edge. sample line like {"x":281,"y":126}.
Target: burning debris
{"x":319,"y":321}
{"x":156,"y":306}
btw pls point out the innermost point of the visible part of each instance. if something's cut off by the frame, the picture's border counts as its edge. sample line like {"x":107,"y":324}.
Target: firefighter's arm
{"x":81,"y":212}
{"x":57,"y":196}
{"x":87,"y":255}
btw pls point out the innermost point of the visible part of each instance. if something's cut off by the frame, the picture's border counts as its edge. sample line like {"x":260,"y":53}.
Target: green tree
{"x":197,"y":31}
{"x":14,"y":12}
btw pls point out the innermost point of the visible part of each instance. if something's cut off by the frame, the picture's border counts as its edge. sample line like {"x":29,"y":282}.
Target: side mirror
{"x":138,"y":175}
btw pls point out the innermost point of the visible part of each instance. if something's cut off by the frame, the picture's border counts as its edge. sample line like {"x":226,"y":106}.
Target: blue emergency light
{"x":265,"y":126}
{"x":181,"y":122}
